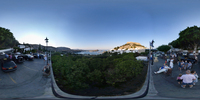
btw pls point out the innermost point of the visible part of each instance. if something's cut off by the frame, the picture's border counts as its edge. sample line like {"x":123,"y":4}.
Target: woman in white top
{"x":171,"y":63}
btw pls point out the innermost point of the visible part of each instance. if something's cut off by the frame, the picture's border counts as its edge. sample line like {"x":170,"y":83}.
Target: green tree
{"x":175,"y":44}
{"x":190,"y":35}
{"x":7,"y":39}
{"x":164,"y":48}
{"x":189,"y":38}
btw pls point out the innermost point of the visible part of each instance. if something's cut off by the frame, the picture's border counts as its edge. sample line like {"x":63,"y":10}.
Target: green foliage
{"x":40,"y":48}
{"x":33,"y":51}
{"x":116,"y":48}
{"x":7,"y":39}
{"x":175,"y":44}
{"x":164,"y":48}
{"x":125,"y":68}
{"x":189,"y":38}
{"x":77,"y":72}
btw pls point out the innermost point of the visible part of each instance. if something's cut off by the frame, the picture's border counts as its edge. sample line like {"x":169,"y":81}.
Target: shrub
{"x":77,"y":72}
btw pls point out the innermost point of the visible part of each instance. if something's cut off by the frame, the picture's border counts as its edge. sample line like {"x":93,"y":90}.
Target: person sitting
{"x":165,"y":69}
{"x":162,"y":66}
{"x":46,"y":70}
{"x":187,"y":79}
{"x":179,"y":79}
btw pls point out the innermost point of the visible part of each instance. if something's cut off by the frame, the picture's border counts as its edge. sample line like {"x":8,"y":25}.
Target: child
{"x":165,"y":62}
{"x":195,"y":74}
{"x":179,"y":79}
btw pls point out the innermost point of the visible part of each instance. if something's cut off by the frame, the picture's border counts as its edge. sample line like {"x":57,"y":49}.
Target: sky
{"x":98,"y":24}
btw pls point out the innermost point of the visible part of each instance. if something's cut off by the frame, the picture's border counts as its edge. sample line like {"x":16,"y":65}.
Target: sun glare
{"x":32,"y":38}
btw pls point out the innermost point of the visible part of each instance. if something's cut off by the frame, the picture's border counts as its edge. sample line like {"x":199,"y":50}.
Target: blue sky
{"x":98,"y":24}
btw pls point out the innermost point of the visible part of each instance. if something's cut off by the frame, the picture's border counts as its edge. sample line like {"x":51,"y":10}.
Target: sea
{"x":90,"y":52}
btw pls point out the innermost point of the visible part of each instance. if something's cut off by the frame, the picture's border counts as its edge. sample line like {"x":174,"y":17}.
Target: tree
{"x":190,"y":37}
{"x":7,"y":39}
{"x":39,"y":48}
{"x":164,"y":48}
{"x":175,"y":44}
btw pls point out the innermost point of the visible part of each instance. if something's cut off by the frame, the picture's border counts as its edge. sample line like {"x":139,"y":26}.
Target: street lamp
{"x":46,"y":47}
{"x":151,"y":45}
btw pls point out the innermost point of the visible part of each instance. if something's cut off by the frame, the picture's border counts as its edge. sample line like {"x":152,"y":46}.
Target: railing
{"x":6,"y":50}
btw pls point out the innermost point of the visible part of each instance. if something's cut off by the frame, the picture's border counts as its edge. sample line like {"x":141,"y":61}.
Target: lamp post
{"x":151,"y":45}
{"x":46,"y":48}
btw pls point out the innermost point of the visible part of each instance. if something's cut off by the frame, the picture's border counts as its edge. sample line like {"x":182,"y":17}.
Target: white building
{"x":21,"y":46}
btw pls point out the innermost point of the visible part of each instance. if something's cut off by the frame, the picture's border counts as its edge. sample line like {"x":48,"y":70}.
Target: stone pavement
{"x":167,"y":86}
{"x":161,"y":86}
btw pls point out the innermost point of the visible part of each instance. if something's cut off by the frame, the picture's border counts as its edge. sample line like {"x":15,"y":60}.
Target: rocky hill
{"x":131,"y":46}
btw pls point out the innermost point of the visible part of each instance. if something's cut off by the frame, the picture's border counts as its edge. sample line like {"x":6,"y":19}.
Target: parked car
{"x":18,"y":58}
{"x":41,"y":56}
{"x":185,"y":53}
{"x":28,"y":57}
{"x":35,"y":55}
{"x":8,"y":66}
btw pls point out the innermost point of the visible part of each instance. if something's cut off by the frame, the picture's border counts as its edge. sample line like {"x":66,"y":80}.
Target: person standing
{"x":171,"y":63}
{"x":38,"y":55}
{"x":187,"y":79}
{"x":196,"y":76}
{"x":196,"y":59}
{"x":185,"y":64}
{"x":179,"y":65}
{"x":45,"y":59}
{"x":189,"y":65}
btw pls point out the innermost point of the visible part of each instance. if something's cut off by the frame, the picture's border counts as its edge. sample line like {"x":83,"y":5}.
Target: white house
{"x":21,"y":46}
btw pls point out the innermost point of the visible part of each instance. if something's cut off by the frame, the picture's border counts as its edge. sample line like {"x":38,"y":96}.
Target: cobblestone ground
{"x":167,"y":86}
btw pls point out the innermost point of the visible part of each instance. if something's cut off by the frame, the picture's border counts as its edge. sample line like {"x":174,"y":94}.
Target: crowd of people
{"x":8,"y":56}
{"x":189,"y":78}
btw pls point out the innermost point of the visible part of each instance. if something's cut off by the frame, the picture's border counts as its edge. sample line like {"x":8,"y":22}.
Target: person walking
{"x":187,"y":79}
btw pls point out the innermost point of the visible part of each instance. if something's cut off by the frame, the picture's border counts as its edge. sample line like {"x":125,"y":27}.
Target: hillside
{"x":131,"y":45}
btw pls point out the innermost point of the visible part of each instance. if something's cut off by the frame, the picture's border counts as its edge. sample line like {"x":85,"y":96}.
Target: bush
{"x":78,"y":72}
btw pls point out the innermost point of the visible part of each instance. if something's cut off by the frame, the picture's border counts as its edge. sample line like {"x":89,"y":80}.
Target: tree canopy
{"x":164,"y":48}
{"x":7,"y":39}
{"x":189,"y":38}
